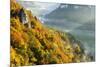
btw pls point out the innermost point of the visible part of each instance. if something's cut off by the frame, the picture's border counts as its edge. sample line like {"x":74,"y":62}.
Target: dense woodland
{"x":34,"y":44}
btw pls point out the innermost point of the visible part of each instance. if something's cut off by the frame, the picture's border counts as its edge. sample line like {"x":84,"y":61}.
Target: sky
{"x":38,"y":8}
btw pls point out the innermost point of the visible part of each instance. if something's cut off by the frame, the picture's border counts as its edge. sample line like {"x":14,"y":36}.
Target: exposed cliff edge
{"x":33,"y":44}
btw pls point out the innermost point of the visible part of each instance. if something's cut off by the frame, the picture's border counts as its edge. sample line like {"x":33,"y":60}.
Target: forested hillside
{"x":34,"y":44}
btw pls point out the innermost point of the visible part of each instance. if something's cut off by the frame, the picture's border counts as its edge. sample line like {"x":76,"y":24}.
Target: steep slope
{"x":33,"y":44}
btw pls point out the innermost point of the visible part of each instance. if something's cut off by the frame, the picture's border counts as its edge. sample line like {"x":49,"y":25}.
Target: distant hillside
{"x":33,"y":44}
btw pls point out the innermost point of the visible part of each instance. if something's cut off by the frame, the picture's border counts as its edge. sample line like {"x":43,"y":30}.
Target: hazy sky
{"x":39,"y":8}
